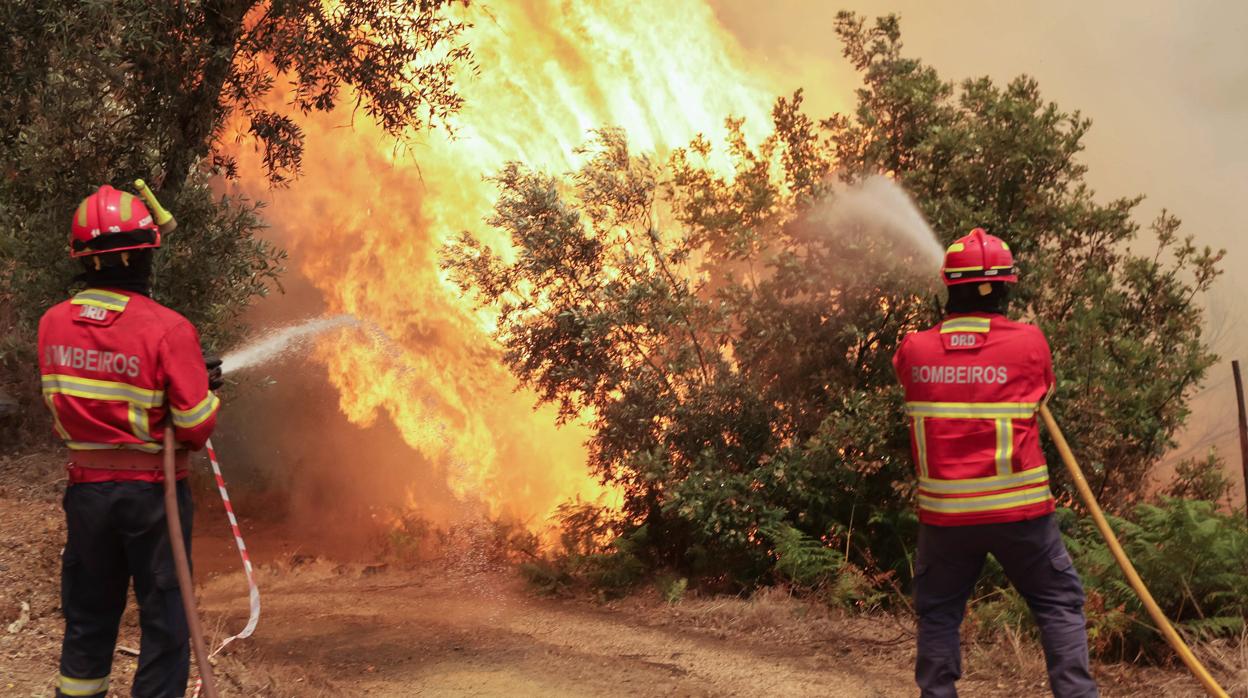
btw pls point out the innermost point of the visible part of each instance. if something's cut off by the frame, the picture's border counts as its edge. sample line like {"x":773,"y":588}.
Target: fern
{"x":1218,"y":626}
{"x":800,"y":558}
{"x":672,"y":589}
{"x":1194,"y":560}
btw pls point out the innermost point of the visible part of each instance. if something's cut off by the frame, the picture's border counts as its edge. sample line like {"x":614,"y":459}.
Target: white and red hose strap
{"x":252,"y":590}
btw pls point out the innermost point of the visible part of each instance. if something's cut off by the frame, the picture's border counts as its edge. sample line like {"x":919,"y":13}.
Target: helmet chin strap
{"x":96,"y":260}
{"x":130,"y":270}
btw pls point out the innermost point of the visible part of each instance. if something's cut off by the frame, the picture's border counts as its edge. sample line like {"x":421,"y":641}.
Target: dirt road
{"x":345,"y":632}
{"x":465,"y":626}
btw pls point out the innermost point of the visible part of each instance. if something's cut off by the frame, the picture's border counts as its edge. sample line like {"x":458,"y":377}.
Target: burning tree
{"x":103,"y":92}
{"x":733,"y":359}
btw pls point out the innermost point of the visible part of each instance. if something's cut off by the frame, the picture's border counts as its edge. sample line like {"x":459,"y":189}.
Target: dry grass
{"x":775,"y":614}
{"x":1007,"y":661}
{"x":1227,"y":660}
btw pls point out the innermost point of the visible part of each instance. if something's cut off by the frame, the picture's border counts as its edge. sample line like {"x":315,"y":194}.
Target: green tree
{"x":732,"y":349}
{"x":104,"y":91}
{"x":1125,"y":329}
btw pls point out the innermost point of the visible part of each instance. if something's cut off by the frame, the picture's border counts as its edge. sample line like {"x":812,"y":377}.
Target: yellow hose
{"x":1133,"y":578}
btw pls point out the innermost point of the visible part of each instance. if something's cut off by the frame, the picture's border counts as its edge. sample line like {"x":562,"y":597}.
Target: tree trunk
{"x":196,"y":112}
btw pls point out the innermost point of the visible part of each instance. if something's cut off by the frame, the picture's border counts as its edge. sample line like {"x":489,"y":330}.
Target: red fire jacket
{"x":114,"y":364}
{"x":973,"y":385}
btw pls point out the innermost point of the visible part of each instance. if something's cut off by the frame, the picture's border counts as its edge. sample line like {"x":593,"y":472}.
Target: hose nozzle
{"x":164,"y":219}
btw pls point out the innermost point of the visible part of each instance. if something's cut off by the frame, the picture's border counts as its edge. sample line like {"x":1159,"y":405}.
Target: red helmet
{"x":112,"y":221}
{"x":977,"y":258}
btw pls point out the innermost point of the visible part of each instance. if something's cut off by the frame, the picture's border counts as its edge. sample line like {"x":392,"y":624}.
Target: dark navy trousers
{"x":950,"y":559}
{"x":117,"y":532}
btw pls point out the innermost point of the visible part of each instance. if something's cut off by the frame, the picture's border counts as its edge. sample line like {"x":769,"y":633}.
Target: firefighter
{"x":117,"y":367}
{"x":973,"y":385}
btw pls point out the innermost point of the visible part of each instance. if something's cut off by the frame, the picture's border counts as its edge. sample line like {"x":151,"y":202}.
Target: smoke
{"x":1166,"y":123}
{"x":879,"y":206}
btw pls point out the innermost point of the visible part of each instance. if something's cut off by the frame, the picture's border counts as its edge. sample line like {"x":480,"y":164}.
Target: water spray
{"x":266,"y":348}
{"x":879,"y":205}
{"x":275,"y":343}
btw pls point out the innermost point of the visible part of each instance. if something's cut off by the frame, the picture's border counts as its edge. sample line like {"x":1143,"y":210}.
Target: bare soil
{"x":463,"y":626}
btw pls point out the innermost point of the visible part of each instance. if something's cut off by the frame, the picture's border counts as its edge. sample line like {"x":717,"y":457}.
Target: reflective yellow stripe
{"x":1005,"y":446}
{"x":127,"y":206}
{"x":991,"y":502}
{"x":955,"y":247}
{"x":102,"y":299}
{"x":118,"y":297}
{"x":980,"y":485}
{"x":93,"y":389}
{"x":188,"y":419}
{"x":972,"y":410}
{"x":139,"y":423}
{"x":81,"y":687}
{"x":966,"y":324}
{"x":56,"y":418}
{"x":920,"y":440}
{"x":958,"y":269}
{"x":89,"y":446}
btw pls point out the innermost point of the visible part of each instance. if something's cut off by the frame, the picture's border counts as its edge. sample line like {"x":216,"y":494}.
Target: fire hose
{"x":206,"y":683}
{"x":183,"y":568}
{"x":1133,"y":578}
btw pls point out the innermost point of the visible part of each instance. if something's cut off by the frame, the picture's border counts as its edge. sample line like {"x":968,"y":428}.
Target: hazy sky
{"x":1165,"y":84}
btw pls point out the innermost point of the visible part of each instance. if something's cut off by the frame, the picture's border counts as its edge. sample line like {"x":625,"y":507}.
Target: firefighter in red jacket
{"x":973,"y":385}
{"x":117,"y":368}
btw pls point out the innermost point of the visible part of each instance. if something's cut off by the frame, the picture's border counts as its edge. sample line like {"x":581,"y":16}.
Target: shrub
{"x":800,"y":559}
{"x":1194,"y":560}
{"x":589,"y":556}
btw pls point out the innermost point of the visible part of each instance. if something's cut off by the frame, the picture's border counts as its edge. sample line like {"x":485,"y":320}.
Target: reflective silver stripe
{"x":188,"y":419}
{"x":973,"y":410}
{"x":101,"y":390}
{"x":966,"y":325}
{"x":90,"y":446}
{"x":102,"y":299}
{"x":81,"y":687}
{"x":985,"y":484}
{"x":1005,"y":446}
{"x":993,"y":502}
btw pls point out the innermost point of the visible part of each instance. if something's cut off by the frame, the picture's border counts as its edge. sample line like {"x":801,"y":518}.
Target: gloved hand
{"x":215,"y":378}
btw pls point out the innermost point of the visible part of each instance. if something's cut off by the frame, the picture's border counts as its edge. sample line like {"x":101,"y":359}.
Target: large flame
{"x":367,"y":220}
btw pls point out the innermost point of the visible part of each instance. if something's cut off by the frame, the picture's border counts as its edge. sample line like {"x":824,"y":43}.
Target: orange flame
{"x":372,"y":216}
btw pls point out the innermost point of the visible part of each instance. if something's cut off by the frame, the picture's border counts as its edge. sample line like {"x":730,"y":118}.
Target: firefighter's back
{"x":973,"y":384}
{"x":117,"y":370}
{"x":114,"y":364}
